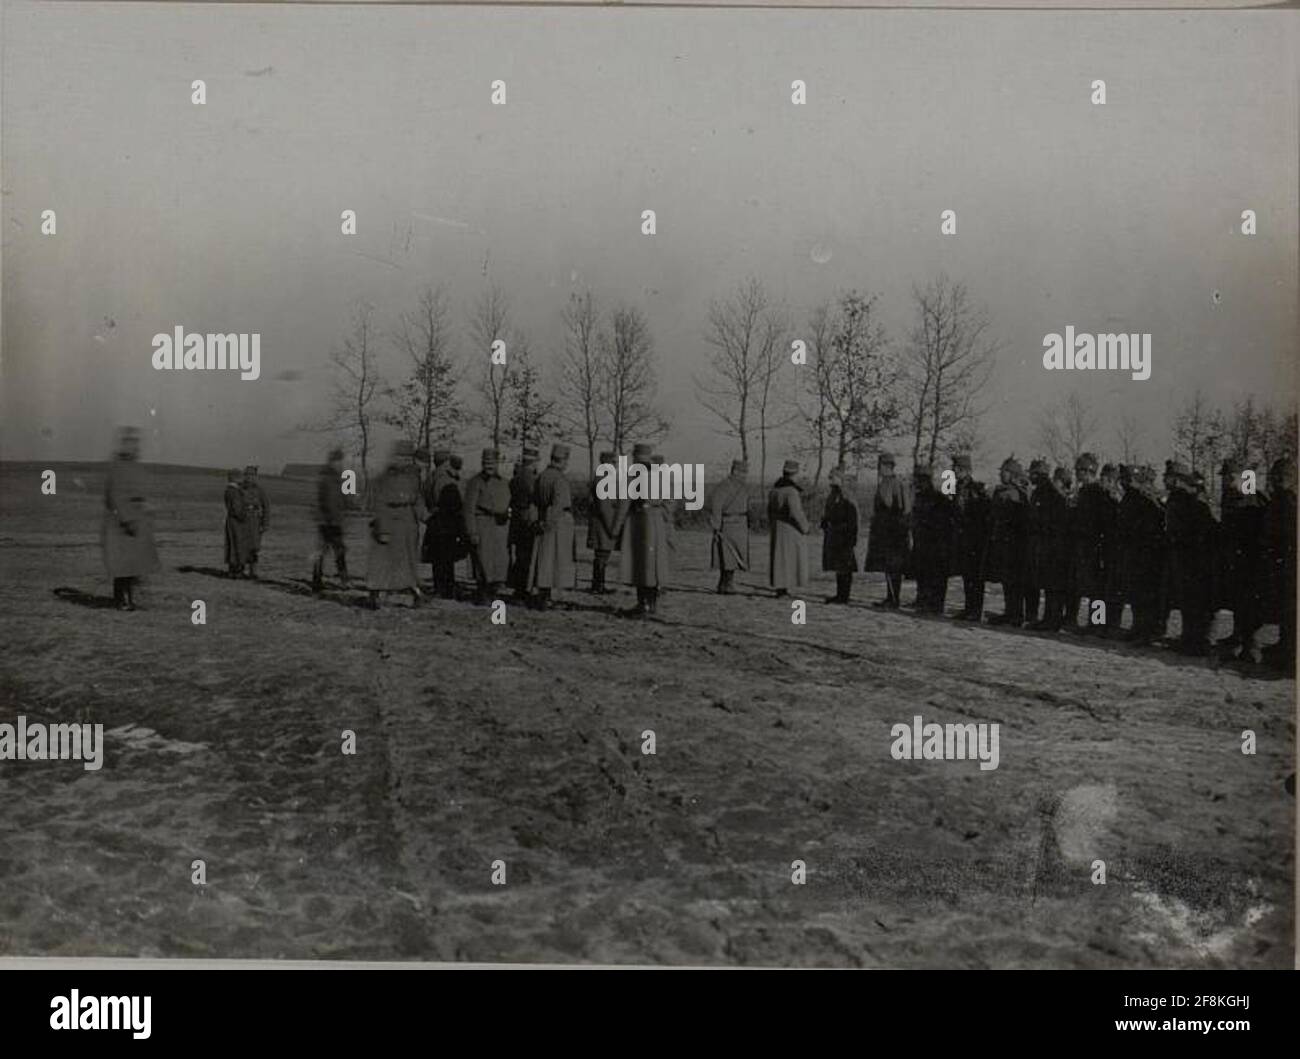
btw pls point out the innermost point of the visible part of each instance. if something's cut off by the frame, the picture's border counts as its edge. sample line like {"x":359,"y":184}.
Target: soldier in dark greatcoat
{"x":1004,"y":552}
{"x":487,"y":522}
{"x":788,"y":528}
{"x":642,"y":533}
{"x":1049,"y":546}
{"x":126,"y":530}
{"x":600,"y":531}
{"x":239,"y":531}
{"x":432,"y":487}
{"x":839,"y":537}
{"x":888,"y":534}
{"x":257,"y":515}
{"x":1092,"y":515}
{"x":729,"y":519}
{"x":1112,"y":549}
{"x":447,"y":524}
{"x":1191,"y":534}
{"x":1280,"y":563}
{"x":932,"y":522}
{"x":1243,"y":512}
{"x":553,"y":564}
{"x":523,"y":519}
{"x":398,"y":510}
{"x":329,"y":522}
{"x":969,"y":534}
{"x":1142,"y":553}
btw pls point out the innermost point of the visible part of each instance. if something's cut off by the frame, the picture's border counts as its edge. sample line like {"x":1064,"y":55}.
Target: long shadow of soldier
{"x":84,"y":599}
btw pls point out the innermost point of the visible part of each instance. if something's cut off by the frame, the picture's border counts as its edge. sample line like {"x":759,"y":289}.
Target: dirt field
{"x":522,"y":743}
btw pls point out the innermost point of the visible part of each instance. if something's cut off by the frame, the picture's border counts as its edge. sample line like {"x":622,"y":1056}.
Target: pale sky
{"x":225,"y":217}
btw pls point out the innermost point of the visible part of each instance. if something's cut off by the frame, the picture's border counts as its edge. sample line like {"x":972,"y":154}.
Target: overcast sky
{"x":225,"y":217}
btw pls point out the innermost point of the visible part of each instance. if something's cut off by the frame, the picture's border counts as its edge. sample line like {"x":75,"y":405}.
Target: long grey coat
{"x":553,"y":565}
{"x":787,"y":527}
{"x":126,"y":532}
{"x":395,"y":532}
{"x":487,"y":516}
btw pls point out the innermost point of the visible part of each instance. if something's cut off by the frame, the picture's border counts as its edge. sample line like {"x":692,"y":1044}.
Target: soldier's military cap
{"x":608,"y":457}
{"x":739,"y":467}
{"x":961,"y":462}
{"x":641,"y":452}
{"x":1109,"y":470}
{"x":1062,"y":474}
{"x":1011,"y":465}
{"x":836,"y":477}
{"x":441,"y":455}
{"x":335,"y":454}
{"x":457,"y":461}
{"x":790,"y":467}
{"x":531,"y":452}
{"x":233,"y":474}
{"x":1086,"y":462}
{"x":1177,"y":470}
{"x":1230,"y":467}
{"x":885,"y":459}
{"x":402,"y":449}
{"x":922,"y":470}
{"x":559,"y":451}
{"x":1038,"y":466}
{"x":490,"y":456}
{"x":656,"y":459}
{"x":250,"y":469}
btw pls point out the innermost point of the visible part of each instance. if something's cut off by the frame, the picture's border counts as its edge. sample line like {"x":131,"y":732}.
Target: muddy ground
{"x":522,"y":743}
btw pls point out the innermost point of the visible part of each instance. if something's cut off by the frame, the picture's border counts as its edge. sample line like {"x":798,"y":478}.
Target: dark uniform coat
{"x":787,"y":525}
{"x":1141,"y":531}
{"x":1092,"y":522}
{"x":729,"y":518}
{"x":433,"y":490}
{"x":447,"y":523}
{"x":1049,"y":538}
{"x":643,"y":543}
{"x":329,"y":497}
{"x":395,"y":531}
{"x":1191,"y":533}
{"x":258,"y":514}
{"x":887,"y":539}
{"x":126,"y":532}
{"x":839,"y":534}
{"x":970,"y":526}
{"x":933,"y":516}
{"x":1004,"y":552}
{"x":1241,"y":565}
{"x":552,"y":564}
{"x":601,"y":525}
{"x":487,"y":516}
{"x":1279,"y":561}
{"x":241,"y":533}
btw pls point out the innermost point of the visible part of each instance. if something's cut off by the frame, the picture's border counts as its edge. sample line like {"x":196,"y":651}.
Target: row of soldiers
{"x":1053,"y":539}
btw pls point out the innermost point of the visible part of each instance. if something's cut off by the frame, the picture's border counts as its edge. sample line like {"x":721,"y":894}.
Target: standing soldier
{"x":238,"y":527}
{"x":601,"y":538}
{"x":643,"y":543}
{"x":258,"y":516}
{"x":487,"y":519}
{"x":433,"y":487}
{"x":729,"y":519}
{"x":787,"y":527}
{"x":970,"y":532}
{"x":395,"y":529}
{"x":1004,"y":552}
{"x":1241,"y":559}
{"x":329,"y":522}
{"x":1142,"y":552}
{"x":1190,"y":531}
{"x":1280,"y":562}
{"x":1112,"y":549}
{"x":887,"y":543}
{"x":447,"y":524}
{"x":1049,"y":548}
{"x":840,"y":537}
{"x":932,"y":522}
{"x":126,"y":530}
{"x":522,"y":521}
{"x":1091,"y":517}
{"x":552,"y":542}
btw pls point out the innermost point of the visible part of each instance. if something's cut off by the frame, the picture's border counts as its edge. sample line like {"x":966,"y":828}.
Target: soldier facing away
{"x":887,"y":536}
{"x":523,"y":519}
{"x":643,"y":544}
{"x":447,"y":525}
{"x":552,"y":538}
{"x":1049,"y":547}
{"x":970,"y":531}
{"x":238,"y":536}
{"x":788,"y":527}
{"x":126,"y":529}
{"x":395,"y":528}
{"x":1092,"y":518}
{"x":487,"y":522}
{"x":329,"y":522}
{"x":1005,"y":548}
{"x":1141,"y":526}
{"x":1280,"y":562}
{"x":432,"y":487}
{"x":1191,"y":533}
{"x":932,"y":521}
{"x":729,"y":520}
{"x":1241,"y":558}
{"x":600,"y":532}
{"x":840,"y":537}
{"x":257,"y":516}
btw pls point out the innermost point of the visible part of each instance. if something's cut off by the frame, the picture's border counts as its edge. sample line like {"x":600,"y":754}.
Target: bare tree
{"x":814,"y":405}
{"x":860,"y":379}
{"x":530,"y":410}
{"x":489,"y":323}
{"x":627,"y":382}
{"x":1129,"y":436}
{"x":1199,"y":433}
{"x":424,"y":403}
{"x":772,"y":400}
{"x":1066,"y":429}
{"x":949,"y":361}
{"x":741,"y":329}
{"x":357,"y":382}
{"x":582,"y":374}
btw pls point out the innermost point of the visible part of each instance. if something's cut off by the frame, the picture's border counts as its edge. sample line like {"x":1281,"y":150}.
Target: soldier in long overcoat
{"x":398,"y":511}
{"x":1280,"y":563}
{"x":1112,"y":482}
{"x":1191,"y":533}
{"x":257,"y":517}
{"x":839,"y":537}
{"x":238,"y":529}
{"x":642,"y":533}
{"x":729,"y":520}
{"x":1243,"y":512}
{"x":1007,"y":537}
{"x":788,"y":527}
{"x":970,"y":534}
{"x":437,"y":480}
{"x":1091,"y":518}
{"x":1141,"y":530}
{"x":523,"y":520}
{"x":450,"y":542}
{"x":553,"y":565}
{"x":932,"y":522}
{"x":487,"y":525}
{"x":601,"y":538}
{"x":330,"y":522}
{"x":1049,"y":546}
{"x":126,"y":529}
{"x":888,"y":535}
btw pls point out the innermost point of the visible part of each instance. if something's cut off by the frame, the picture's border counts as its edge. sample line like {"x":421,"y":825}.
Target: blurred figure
{"x":395,"y":528}
{"x":438,"y":475}
{"x":970,"y":533}
{"x":729,"y":519}
{"x":523,"y":518}
{"x":126,"y":531}
{"x":1280,"y":561}
{"x":487,"y":526}
{"x":238,"y":538}
{"x":1005,"y":550}
{"x":447,"y":526}
{"x":551,"y":539}
{"x":787,"y":529}
{"x":642,"y":533}
{"x":600,"y":532}
{"x":839,"y":537}
{"x":329,"y":522}
{"x":257,"y":517}
{"x":887,"y":535}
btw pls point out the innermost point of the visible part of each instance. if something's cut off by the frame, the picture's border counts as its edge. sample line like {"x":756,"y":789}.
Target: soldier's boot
{"x":727,"y":582}
{"x":652,"y":600}
{"x":318,"y":574}
{"x":130,"y":593}
{"x":252,"y":571}
{"x":373,"y":601}
{"x":417,"y":598}
{"x":343,"y":574}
